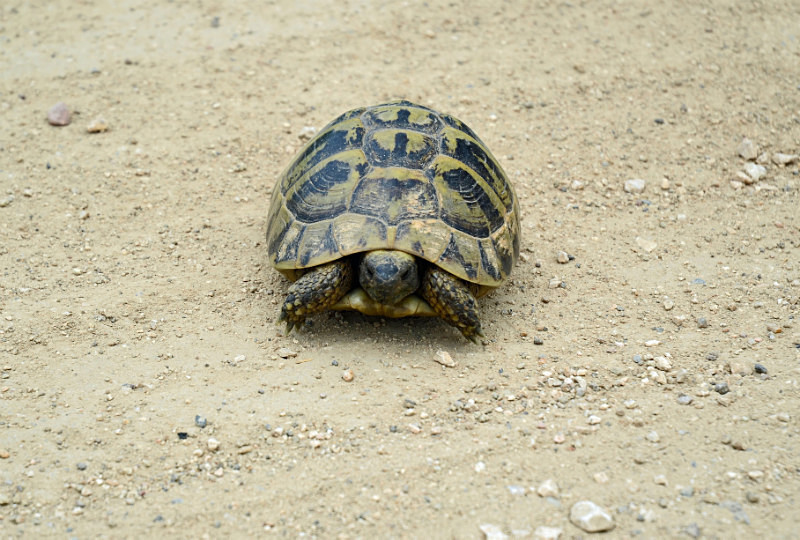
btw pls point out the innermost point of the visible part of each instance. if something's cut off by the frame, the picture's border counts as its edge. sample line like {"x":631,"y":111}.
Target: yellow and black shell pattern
{"x":396,"y":176}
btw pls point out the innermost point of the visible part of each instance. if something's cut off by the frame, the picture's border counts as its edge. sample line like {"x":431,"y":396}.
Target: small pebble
{"x":784,"y":159}
{"x":702,"y":322}
{"x":668,"y":304}
{"x":444,"y":358}
{"x":547,"y":533}
{"x":601,"y":477}
{"x":348,"y":375}
{"x":82,"y":466}
{"x":646,"y":244}
{"x":692,"y":530}
{"x":590,"y":517}
{"x":635,"y":185}
{"x":516,"y":490}
{"x":755,"y":171}
{"x":562,"y":257}
{"x":660,"y":480}
{"x":548,"y":488}
{"x":683,"y":399}
{"x":493,"y":532}
{"x":307,"y":133}
{"x":760,"y":369}
{"x":663,"y":363}
{"x":721,"y":388}
{"x":285,"y":352}
{"x":213,"y":444}
{"x":200,"y":421}
{"x":739,"y":366}
{"x":59,"y":115}
{"x":747,"y":150}
{"x":653,"y":437}
{"x":98,"y":125}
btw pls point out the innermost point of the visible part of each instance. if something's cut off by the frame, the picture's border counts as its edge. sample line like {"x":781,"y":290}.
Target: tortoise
{"x":393,"y":210}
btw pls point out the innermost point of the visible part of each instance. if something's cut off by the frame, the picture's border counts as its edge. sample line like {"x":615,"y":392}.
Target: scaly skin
{"x":453,"y":301}
{"x":317,"y":290}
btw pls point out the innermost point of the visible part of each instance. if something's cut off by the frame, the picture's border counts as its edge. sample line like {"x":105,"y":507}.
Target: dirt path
{"x":146,"y":389}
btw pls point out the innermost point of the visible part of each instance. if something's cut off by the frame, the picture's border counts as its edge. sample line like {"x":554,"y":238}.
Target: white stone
{"x":747,"y":150}
{"x":663,"y":363}
{"x":493,"y":532}
{"x":548,"y":533}
{"x":307,"y":132}
{"x":634,"y":185}
{"x":444,"y":358}
{"x":646,"y":244}
{"x":784,"y":159}
{"x":755,"y":171}
{"x":590,"y":517}
{"x":548,"y":488}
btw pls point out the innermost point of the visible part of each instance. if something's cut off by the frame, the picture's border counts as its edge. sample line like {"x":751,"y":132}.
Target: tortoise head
{"x":388,"y":276}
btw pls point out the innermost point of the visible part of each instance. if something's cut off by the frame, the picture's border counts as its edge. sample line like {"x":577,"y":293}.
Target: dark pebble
{"x":712,"y":356}
{"x":335,"y":363}
{"x":182,"y":435}
{"x":393,"y":429}
{"x":721,"y":388}
{"x":200,"y":421}
{"x":659,"y":121}
{"x":760,"y":369}
{"x":82,"y":466}
{"x":538,"y":341}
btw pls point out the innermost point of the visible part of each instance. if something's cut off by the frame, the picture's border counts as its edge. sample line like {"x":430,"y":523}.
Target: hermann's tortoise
{"x":393,"y":210}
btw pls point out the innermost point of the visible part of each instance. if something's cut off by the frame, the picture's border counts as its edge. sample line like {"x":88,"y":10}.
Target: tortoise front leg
{"x":317,"y":290}
{"x":452,"y":300}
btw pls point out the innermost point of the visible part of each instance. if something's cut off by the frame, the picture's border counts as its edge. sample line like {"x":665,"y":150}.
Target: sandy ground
{"x":654,"y":374}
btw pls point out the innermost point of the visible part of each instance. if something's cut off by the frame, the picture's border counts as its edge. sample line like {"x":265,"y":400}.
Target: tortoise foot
{"x":316,"y":290}
{"x":452,"y":300}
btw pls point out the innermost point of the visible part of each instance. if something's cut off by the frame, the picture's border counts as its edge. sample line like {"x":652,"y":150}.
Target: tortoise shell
{"x":396,"y":176}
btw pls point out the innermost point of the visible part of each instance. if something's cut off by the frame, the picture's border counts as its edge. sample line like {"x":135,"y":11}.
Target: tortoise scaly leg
{"x":317,"y":290}
{"x":453,"y":301}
